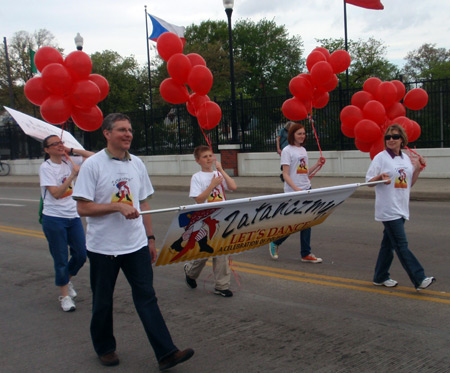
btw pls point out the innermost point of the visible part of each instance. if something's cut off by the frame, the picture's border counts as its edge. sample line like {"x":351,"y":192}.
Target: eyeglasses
{"x":124,"y":130}
{"x":394,"y":137}
{"x":55,"y":144}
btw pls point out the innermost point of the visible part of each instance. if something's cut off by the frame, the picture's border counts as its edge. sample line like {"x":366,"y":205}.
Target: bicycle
{"x":4,"y":169}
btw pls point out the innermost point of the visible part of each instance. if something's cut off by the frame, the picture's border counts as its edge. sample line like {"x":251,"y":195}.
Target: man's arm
{"x":147,"y":219}
{"x":90,"y":208}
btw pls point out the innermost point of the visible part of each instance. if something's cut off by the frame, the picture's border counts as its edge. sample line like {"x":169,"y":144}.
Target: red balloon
{"x":416,"y":99}
{"x":308,"y":105}
{"x":88,"y":119}
{"x":85,"y":94}
{"x":400,"y":89}
{"x":396,"y":110}
{"x":102,"y":84}
{"x":45,"y":56}
{"x":330,"y":85}
{"x":306,"y":76}
{"x":301,"y":88}
{"x":367,"y":130}
{"x":195,"y":102}
{"x":377,"y":147}
{"x":179,"y":66}
{"x":173,"y":92}
{"x":294,"y":109}
{"x":405,"y":123}
{"x":200,"y":79}
{"x":168,"y":44}
{"x":320,"y":99}
{"x":321,"y":73}
{"x":361,"y":98}
{"x":322,"y":50}
{"x":313,"y":58}
{"x":371,"y":84}
{"x":363,"y":146}
{"x":35,"y":91}
{"x":79,"y":65}
{"x":375,"y":111}
{"x":340,"y":61}
{"x":209,"y":115}
{"x":56,"y":79}
{"x":196,"y":59}
{"x":415,"y":131}
{"x":349,"y":132}
{"x":386,"y":93}
{"x":350,"y":116}
{"x":56,"y":109}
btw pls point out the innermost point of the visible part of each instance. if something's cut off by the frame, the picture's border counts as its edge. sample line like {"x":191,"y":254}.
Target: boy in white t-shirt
{"x":208,"y":185}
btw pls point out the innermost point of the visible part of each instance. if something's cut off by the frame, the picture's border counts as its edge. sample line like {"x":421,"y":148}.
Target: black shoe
{"x":191,"y":283}
{"x":110,"y":359}
{"x":176,"y":358}
{"x":224,"y":293}
{"x":204,"y":247}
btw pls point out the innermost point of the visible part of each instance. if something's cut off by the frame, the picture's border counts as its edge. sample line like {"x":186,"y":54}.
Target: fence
{"x":170,"y":129}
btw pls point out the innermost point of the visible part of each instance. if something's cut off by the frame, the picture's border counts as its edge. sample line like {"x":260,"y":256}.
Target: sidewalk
{"x":423,"y":190}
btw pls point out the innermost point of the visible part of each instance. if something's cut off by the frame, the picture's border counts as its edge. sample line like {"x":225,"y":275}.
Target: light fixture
{"x":79,"y":41}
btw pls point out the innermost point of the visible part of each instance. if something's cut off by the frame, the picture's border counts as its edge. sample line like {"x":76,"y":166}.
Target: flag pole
{"x":346,"y":43}
{"x":149,"y":72}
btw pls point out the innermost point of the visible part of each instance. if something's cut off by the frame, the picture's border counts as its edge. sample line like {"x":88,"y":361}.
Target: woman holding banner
{"x":60,"y":221}
{"x":296,"y":174}
{"x":392,"y":207}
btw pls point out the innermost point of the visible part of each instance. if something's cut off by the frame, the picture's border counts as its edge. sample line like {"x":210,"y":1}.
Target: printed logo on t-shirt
{"x":69,"y":189}
{"x":123,"y":194}
{"x":302,"y":168}
{"x":401,"y":180}
{"x":216,"y":195}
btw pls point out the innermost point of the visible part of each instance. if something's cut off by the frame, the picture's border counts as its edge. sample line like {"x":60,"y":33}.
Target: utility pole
{"x":8,"y":69}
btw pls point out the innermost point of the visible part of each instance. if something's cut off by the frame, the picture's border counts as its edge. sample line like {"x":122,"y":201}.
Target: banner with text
{"x":231,"y":227}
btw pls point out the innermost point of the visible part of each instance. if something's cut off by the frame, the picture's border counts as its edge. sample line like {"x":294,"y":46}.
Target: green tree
{"x":127,"y":81}
{"x":368,"y":60}
{"x":428,"y":62}
{"x":19,"y":58}
{"x":265,"y":57}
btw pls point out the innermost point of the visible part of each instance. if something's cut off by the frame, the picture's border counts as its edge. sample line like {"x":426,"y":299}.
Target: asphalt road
{"x":285,"y":316}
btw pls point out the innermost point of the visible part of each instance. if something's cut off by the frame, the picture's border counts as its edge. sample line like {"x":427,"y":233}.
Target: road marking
{"x":299,"y":276}
{"x":20,"y":199}
{"x":11,"y":205}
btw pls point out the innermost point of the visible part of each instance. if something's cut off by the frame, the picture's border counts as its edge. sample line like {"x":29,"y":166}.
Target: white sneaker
{"x":72,"y":292}
{"x":67,"y":304}
{"x":427,"y":281}
{"x":389,"y":283}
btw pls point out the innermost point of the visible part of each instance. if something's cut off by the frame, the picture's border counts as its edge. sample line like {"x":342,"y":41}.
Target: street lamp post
{"x":228,"y":4}
{"x":79,"y":41}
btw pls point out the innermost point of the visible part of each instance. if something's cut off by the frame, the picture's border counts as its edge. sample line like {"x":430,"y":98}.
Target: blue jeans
{"x":305,"y":242}
{"x":394,"y":238}
{"x":62,"y":233}
{"x":137,"y":267}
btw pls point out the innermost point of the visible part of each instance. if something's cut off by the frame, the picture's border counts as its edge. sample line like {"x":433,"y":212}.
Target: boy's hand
{"x":216,"y":180}
{"x":219,"y":166}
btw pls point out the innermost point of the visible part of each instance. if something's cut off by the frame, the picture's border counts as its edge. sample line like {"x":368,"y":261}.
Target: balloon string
{"x":311,"y":175}
{"x":416,"y":156}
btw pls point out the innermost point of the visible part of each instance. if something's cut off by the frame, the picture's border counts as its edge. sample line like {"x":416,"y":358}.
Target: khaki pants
{"x":221,"y":270}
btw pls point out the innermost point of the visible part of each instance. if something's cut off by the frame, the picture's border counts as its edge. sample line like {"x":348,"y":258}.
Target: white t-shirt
{"x":200,"y":181}
{"x":105,"y":180}
{"x":54,"y":174}
{"x":297,"y":159}
{"x":392,"y":200}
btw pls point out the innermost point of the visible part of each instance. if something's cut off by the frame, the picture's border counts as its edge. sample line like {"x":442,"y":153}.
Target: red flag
{"x":368,"y":4}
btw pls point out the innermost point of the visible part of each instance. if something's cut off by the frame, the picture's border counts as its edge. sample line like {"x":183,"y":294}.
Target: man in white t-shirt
{"x":111,"y":190}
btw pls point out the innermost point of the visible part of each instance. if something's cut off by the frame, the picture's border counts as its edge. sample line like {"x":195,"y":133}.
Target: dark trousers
{"x":138,"y":271}
{"x":305,"y":242}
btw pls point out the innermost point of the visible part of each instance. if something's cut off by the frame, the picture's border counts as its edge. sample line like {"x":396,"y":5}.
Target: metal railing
{"x":170,"y":129}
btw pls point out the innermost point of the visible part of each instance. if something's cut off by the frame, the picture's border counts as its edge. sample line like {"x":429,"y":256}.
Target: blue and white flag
{"x":160,"y":26}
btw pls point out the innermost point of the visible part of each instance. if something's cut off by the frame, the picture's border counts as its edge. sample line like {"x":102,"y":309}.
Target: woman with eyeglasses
{"x":60,"y":220}
{"x":392,"y":207}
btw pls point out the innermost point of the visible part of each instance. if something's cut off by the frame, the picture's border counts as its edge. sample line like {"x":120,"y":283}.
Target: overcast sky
{"x":403,"y":25}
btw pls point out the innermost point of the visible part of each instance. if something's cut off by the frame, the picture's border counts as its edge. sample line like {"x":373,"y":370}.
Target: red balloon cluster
{"x":377,"y":107}
{"x":311,"y":90}
{"x":66,"y":88}
{"x":187,"y":69}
